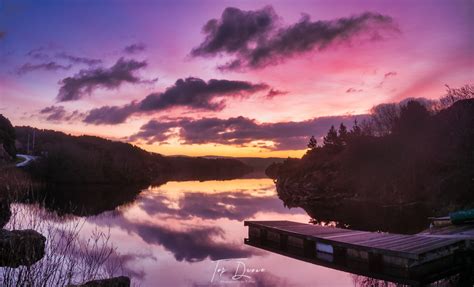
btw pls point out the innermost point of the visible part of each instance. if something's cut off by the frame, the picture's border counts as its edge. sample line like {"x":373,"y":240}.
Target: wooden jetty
{"x":408,"y":259}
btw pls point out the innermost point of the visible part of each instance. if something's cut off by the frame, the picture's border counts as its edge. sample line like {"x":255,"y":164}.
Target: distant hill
{"x":201,"y":168}
{"x":90,"y":160}
{"x":259,"y":164}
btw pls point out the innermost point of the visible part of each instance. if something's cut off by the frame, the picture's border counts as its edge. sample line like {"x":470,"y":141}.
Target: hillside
{"x":87,"y":159}
{"x":425,"y":157}
{"x":258,"y":164}
{"x":199,"y":168}
{"x":93,"y":160}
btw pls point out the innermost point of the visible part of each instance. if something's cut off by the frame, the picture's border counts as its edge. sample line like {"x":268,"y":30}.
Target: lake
{"x":178,"y":234}
{"x":173,"y":235}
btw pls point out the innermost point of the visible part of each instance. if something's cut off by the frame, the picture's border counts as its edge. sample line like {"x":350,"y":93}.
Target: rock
{"x":121,"y":281}
{"x":20,"y":247}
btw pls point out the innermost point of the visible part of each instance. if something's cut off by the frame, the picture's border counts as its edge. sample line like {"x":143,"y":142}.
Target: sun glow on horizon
{"x":219,"y":150}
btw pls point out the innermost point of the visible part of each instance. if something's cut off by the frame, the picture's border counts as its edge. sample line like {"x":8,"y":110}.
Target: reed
{"x":71,"y":257}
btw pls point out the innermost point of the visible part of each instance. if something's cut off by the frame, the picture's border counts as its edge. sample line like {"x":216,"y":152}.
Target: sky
{"x":229,"y":78}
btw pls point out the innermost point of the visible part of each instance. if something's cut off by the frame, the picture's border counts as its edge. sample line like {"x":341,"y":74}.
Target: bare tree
{"x":456,"y":94}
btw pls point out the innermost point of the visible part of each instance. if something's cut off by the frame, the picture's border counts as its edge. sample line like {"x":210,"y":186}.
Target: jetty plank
{"x":374,"y":240}
{"x":382,"y":253}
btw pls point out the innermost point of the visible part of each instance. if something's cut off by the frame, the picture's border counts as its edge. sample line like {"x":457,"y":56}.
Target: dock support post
{"x":263,"y":236}
{"x":375,"y":262}
{"x":340,"y":255}
{"x":283,"y":242}
{"x":309,"y":248}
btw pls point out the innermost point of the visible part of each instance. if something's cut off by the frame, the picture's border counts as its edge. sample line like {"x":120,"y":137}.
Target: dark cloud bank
{"x":43,"y":53}
{"x":192,"y":93}
{"x":38,"y":53}
{"x":274,"y":92}
{"x":134,"y":48}
{"x":255,"y":39}
{"x":48,"y":66}
{"x":84,"y":82}
{"x":386,"y":76}
{"x":354,"y":90}
{"x":78,"y":60}
{"x":241,"y":131}
{"x":59,"y":114}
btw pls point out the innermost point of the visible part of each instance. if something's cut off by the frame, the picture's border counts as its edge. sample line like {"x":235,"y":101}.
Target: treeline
{"x":92,"y":160}
{"x":87,"y":159}
{"x":7,"y":140}
{"x":192,"y":168}
{"x":409,"y":152}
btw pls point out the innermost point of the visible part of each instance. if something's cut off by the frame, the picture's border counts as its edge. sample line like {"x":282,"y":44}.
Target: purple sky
{"x":258,"y":80}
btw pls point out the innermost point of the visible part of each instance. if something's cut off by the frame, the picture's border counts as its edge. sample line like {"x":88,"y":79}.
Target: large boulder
{"x":20,"y":247}
{"x":121,"y":281}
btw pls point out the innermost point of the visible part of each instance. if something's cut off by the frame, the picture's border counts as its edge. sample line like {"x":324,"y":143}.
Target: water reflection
{"x":190,"y":219}
{"x":409,"y":219}
{"x":173,"y":234}
{"x":190,"y":244}
{"x":232,"y":205}
{"x":85,"y":200}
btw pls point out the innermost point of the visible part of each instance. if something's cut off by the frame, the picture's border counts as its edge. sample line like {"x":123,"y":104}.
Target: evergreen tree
{"x":313,"y":143}
{"x":343,"y":134}
{"x":332,"y":139}
{"x":356,"y":131}
{"x":413,"y":118}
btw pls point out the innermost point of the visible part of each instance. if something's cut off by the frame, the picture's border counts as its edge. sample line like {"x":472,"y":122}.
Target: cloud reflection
{"x":190,"y":244}
{"x":194,"y":244}
{"x":229,"y":205}
{"x":194,"y":225}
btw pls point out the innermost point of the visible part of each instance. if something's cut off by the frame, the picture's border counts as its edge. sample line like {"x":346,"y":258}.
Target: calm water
{"x":173,"y":235}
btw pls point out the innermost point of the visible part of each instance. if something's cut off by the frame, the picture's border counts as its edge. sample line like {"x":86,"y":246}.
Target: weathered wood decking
{"x":410,"y":259}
